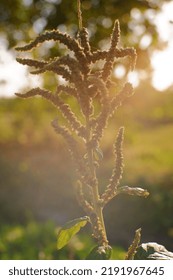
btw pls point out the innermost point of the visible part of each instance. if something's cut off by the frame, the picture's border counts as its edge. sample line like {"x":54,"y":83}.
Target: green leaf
{"x":100,"y":253}
{"x":70,"y":229}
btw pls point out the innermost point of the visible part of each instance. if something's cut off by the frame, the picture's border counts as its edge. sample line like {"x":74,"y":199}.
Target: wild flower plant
{"x":89,"y":84}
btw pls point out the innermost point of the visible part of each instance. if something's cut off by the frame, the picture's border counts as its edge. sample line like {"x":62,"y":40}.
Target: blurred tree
{"x":22,"y":20}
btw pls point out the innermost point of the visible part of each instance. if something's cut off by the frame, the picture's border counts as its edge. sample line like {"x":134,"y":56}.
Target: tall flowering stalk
{"x":88,"y":85}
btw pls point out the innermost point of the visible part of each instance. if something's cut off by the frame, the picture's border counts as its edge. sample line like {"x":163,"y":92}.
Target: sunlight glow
{"x":133,"y":78}
{"x":162,"y":61}
{"x":163,"y":64}
{"x":119,"y":71}
{"x":145,"y":41}
{"x":13,"y":76}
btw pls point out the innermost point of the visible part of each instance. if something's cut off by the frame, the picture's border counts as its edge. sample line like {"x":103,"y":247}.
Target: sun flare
{"x":163,"y":69}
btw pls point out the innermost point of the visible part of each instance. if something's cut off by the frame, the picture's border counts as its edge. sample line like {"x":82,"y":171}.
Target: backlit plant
{"x":88,"y":76}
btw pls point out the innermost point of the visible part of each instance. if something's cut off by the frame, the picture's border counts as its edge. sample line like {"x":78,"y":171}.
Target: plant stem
{"x":79,"y":14}
{"x":96,"y":197}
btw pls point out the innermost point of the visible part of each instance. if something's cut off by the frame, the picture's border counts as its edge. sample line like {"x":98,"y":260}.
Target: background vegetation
{"x":36,"y":173}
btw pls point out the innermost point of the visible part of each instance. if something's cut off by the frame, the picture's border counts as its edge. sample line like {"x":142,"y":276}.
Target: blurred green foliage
{"x":37,"y":241}
{"x":35,"y":15}
{"x":22,"y":121}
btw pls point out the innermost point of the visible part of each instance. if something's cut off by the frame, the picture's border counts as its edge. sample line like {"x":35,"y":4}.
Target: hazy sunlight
{"x":162,"y":61}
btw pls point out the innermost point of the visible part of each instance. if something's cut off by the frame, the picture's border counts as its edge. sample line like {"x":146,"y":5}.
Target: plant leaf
{"x":70,"y":229}
{"x":133,"y":191}
{"x":152,"y":251}
{"x":100,"y":253}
